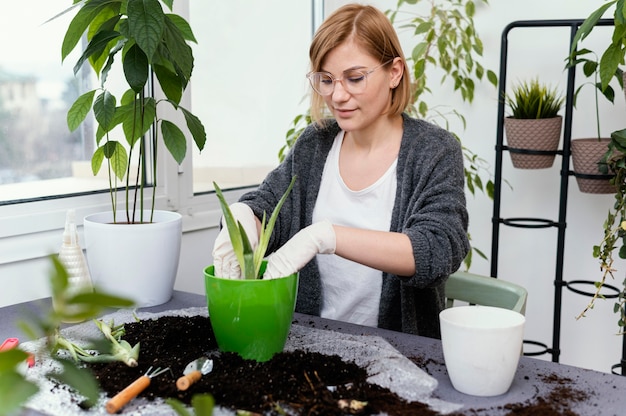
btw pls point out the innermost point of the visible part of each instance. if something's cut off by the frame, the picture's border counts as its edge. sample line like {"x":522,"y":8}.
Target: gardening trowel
{"x":194,"y":370}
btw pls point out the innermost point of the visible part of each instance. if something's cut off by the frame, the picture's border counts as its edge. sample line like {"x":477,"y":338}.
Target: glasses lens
{"x":354,"y":81}
{"x":324,"y":84}
{"x":321,"y":82}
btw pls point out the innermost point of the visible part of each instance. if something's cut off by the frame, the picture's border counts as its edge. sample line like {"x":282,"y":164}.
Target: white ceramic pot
{"x":481,"y":348}
{"x":136,"y":261}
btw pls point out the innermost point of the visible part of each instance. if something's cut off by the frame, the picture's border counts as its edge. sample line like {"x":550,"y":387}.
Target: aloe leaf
{"x":235,"y":236}
{"x":247,"y":267}
{"x":266,"y":231}
{"x":259,"y":253}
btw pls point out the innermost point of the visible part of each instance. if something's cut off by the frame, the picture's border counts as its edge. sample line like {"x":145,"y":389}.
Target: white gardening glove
{"x":318,"y":238}
{"x":224,"y":258}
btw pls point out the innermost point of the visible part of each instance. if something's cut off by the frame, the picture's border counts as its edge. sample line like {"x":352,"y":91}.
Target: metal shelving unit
{"x":533,"y":223}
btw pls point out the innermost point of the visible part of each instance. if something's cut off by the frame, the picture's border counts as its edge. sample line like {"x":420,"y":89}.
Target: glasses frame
{"x":365,"y":74}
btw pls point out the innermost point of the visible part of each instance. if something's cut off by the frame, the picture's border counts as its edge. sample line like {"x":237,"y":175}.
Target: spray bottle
{"x":72,"y":257}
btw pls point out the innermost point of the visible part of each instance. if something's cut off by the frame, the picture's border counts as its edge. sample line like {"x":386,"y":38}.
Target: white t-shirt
{"x":351,"y":291}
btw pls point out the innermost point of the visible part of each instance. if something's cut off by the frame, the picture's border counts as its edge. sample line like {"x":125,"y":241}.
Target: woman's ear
{"x":396,"y":72}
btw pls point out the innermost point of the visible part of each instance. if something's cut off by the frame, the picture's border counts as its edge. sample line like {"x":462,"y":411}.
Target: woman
{"x":378,"y":203}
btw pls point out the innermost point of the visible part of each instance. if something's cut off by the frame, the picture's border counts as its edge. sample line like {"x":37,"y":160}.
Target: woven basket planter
{"x":586,"y":153}
{"x":541,"y":134}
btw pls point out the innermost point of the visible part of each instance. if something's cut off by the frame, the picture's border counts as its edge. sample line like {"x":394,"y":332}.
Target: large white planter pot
{"x":136,"y":261}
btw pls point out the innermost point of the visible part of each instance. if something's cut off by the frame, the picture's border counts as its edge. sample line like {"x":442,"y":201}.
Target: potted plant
{"x":533,"y":131}
{"x":587,"y":153}
{"x":603,"y":70}
{"x":141,"y":39}
{"x":251,"y":316}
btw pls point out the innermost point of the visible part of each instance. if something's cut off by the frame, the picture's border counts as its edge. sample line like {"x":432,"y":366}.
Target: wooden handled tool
{"x":132,"y":390}
{"x":187,"y":380}
{"x":194,"y":370}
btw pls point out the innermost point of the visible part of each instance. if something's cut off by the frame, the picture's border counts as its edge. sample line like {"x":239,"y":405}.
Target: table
{"x":605,"y":393}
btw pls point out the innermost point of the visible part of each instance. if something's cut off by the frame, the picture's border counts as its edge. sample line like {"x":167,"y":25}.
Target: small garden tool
{"x":194,"y":370}
{"x":133,"y":389}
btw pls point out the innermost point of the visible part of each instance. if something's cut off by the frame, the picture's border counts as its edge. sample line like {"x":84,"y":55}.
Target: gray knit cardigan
{"x":429,"y":208}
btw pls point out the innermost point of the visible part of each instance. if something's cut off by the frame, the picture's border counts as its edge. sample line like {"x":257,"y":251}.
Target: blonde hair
{"x":369,"y":28}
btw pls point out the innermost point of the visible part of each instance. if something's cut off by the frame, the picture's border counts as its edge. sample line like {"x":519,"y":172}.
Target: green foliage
{"x":614,"y":53}
{"x":614,"y":227}
{"x":202,"y":405}
{"x":533,"y":100}
{"x":145,"y":39}
{"x":446,"y":39}
{"x":15,"y":389}
{"x":590,"y":67}
{"x":250,"y":260}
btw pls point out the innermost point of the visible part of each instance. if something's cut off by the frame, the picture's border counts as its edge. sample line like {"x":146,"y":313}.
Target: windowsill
{"x":83,"y":182}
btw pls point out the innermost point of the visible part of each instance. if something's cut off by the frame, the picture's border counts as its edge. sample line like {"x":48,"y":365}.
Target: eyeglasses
{"x":354,"y":81}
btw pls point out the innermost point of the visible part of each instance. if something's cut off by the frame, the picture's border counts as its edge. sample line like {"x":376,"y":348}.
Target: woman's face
{"x":357,"y":111}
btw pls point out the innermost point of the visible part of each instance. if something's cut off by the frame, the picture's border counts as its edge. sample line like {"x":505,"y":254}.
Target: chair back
{"x":487,"y":291}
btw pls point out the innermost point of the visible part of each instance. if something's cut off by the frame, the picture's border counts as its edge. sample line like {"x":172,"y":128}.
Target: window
{"x":249,"y":84}
{"x":247,"y":87}
{"x":35,"y":93}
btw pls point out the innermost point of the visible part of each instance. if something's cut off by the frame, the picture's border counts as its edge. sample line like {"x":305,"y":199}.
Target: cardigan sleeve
{"x":430,"y":202}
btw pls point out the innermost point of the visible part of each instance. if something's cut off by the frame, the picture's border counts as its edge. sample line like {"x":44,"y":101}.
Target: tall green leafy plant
{"x":140,"y":38}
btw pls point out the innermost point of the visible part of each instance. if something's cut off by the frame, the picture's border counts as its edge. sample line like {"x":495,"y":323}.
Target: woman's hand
{"x":224,"y":258}
{"x":318,"y":238}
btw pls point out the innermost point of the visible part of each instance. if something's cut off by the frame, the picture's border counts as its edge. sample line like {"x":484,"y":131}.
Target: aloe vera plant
{"x":250,"y":260}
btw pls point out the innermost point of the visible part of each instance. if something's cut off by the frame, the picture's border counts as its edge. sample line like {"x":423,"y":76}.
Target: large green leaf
{"x":169,"y":81}
{"x":134,"y":125}
{"x":115,"y":153}
{"x":610,"y":60}
{"x":79,"y":110}
{"x":110,"y":59}
{"x":81,"y":22}
{"x":105,"y":21}
{"x":180,"y":52}
{"x":146,"y":24}
{"x":182,"y":25}
{"x":196,"y":128}
{"x":174,"y":140}
{"x":104,"y":110}
{"x":95,"y":47}
{"x":136,"y":68}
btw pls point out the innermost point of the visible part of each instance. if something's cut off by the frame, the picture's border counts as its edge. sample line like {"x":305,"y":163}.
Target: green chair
{"x":483,"y":290}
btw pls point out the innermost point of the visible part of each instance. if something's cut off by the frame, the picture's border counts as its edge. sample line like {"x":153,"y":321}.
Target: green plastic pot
{"x":251,"y":317}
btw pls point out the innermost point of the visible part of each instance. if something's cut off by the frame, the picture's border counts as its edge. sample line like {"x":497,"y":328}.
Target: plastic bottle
{"x":72,"y":257}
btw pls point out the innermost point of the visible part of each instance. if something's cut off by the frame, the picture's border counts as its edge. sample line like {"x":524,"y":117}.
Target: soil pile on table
{"x":296,"y":382}
{"x":291,"y":383}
